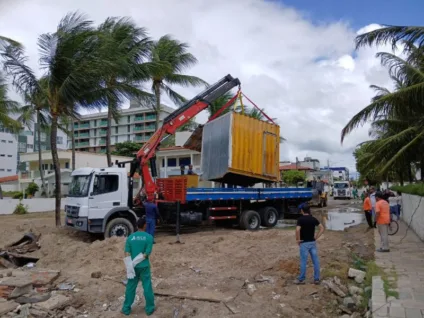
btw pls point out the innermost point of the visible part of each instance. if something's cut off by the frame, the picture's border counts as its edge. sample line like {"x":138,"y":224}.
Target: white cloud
{"x":303,"y":74}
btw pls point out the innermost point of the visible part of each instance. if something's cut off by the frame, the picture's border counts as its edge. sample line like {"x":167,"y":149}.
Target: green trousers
{"x":144,"y":275}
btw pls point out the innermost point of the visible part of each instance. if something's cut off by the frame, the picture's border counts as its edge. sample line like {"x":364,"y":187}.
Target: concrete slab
{"x":56,"y":301}
{"x":7,"y":306}
{"x":397,"y":312}
{"x":413,"y":313}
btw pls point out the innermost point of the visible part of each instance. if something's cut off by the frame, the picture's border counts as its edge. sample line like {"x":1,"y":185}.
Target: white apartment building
{"x":136,"y":124}
{"x":8,"y":154}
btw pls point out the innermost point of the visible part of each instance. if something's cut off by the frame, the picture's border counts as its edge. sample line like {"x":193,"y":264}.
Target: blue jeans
{"x":395,"y":210}
{"x":150,"y":226}
{"x":311,"y":249}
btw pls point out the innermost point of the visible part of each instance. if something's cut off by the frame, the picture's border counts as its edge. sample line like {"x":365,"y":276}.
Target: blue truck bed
{"x":213,"y":194}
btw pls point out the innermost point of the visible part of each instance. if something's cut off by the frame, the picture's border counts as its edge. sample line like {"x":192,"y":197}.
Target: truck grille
{"x":342,"y":192}
{"x":72,"y":211}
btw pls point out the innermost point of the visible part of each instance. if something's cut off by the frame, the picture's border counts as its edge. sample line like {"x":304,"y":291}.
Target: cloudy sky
{"x":295,"y":58}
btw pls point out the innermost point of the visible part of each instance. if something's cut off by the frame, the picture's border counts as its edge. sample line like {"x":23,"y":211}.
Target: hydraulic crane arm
{"x":176,"y":120}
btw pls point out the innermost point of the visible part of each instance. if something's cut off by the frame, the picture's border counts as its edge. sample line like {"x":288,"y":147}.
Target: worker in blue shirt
{"x":152,"y":213}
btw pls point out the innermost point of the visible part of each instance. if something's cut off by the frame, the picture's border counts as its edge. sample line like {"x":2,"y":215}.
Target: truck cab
{"x":98,"y":202}
{"x":342,"y":190}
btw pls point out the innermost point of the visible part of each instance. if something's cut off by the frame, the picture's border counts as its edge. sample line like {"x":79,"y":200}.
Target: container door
{"x":270,"y":155}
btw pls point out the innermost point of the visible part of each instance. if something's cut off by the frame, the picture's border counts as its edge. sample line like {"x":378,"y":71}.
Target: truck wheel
{"x":119,"y":227}
{"x":269,"y":216}
{"x":250,"y":220}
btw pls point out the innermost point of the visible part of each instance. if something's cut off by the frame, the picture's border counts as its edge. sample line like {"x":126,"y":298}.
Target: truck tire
{"x":250,"y":220}
{"x":119,"y":227}
{"x":269,"y":216}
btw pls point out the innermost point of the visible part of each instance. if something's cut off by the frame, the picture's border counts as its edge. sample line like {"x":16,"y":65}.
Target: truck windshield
{"x":79,"y":186}
{"x":341,"y":185}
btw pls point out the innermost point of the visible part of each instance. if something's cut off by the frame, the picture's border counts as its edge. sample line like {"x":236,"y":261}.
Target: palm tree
{"x":8,"y":107}
{"x":74,"y":66}
{"x":393,"y":35}
{"x":175,"y":58}
{"x":125,"y":47}
{"x":36,"y":111}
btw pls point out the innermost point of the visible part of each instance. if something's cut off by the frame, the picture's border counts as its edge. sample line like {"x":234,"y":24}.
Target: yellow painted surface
{"x":192,"y":180}
{"x":255,"y":148}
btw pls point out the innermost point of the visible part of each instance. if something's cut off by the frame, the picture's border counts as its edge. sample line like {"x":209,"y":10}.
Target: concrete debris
{"x":358,"y":275}
{"x":97,"y":274}
{"x":7,"y":306}
{"x":19,"y":291}
{"x":334,"y":288}
{"x":251,"y":288}
{"x":41,"y":277}
{"x":55,"y":302}
{"x":348,"y":302}
{"x":354,"y":290}
{"x":340,"y":285}
{"x":262,"y":278}
{"x":9,"y":274}
{"x":196,"y":270}
{"x":71,"y":311}
{"x":358,"y":300}
{"x":33,"y":298}
{"x":344,"y":309}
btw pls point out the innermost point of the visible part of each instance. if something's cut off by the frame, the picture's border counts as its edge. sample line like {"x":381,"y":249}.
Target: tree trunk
{"x":56,"y":166}
{"x":157,"y":108}
{"x":73,"y":145}
{"x":422,"y":170}
{"x":401,"y":177}
{"x":40,"y":159}
{"x":108,"y":133}
{"x":410,"y":179}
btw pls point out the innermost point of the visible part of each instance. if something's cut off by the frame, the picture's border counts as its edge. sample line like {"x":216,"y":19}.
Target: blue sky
{"x":361,"y":12}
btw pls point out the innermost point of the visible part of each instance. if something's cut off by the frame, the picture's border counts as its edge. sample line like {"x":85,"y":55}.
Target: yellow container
{"x":240,"y":150}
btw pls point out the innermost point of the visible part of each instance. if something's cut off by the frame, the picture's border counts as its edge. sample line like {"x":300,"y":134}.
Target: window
{"x":129,"y":119}
{"x":172,"y":162}
{"x":94,"y":123}
{"x":10,"y":141}
{"x":185,"y":161}
{"x":116,"y":129}
{"x":10,"y":156}
{"x":129,"y":128}
{"x":9,"y":170}
{"x":116,"y":139}
{"x":105,"y":184}
{"x":66,"y":165}
{"x":4,"y":141}
{"x":129,"y":138}
{"x":1,"y":169}
{"x":30,"y":146}
{"x":59,"y":140}
{"x":2,"y":155}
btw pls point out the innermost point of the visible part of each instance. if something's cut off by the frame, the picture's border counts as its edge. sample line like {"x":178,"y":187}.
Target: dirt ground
{"x":211,"y":263}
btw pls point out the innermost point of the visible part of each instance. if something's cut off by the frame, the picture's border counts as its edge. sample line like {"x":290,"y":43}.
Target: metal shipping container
{"x":240,"y":150}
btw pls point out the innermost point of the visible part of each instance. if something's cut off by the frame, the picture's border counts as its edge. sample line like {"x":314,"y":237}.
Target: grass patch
{"x":415,"y":189}
{"x":336,"y":268}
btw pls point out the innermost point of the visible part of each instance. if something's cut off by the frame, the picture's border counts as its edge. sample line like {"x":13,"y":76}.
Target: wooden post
{"x":178,"y":223}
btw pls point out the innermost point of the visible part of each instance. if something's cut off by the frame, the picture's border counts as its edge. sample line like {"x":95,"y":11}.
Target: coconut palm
{"x":175,"y":58}
{"x":8,"y":107}
{"x":393,"y":35}
{"x":125,"y":47}
{"x":75,"y":67}
{"x":36,"y":111}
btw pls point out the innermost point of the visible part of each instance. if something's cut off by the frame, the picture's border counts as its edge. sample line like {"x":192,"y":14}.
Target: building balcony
{"x":82,"y":135}
{"x":139,"y":118}
{"x":82,"y":144}
{"x":102,"y":142}
{"x":103,"y":132}
{"x":150,"y":117}
{"x":81,"y":125}
{"x":103,"y":123}
{"x":138,"y":128}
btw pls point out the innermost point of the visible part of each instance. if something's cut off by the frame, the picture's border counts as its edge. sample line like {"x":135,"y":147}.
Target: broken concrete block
{"x":334,"y":288}
{"x":33,"y":298}
{"x":15,"y":281}
{"x":353,"y":290}
{"x":348,"y":302}
{"x":251,"y":289}
{"x":40,"y":277}
{"x":7,"y":306}
{"x":355,"y":272}
{"x":55,"y":302}
{"x":19,"y":291}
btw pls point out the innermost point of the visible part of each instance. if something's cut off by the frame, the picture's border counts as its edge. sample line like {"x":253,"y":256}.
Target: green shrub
{"x":416,"y":189}
{"x":32,"y":188}
{"x":10,"y":194}
{"x":20,"y":209}
{"x":18,"y":195}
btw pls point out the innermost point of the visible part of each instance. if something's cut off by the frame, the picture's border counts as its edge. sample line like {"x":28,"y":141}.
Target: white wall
{"x":10,"y":186}
{"x":413,"y":213}
{"x":33,"y":205}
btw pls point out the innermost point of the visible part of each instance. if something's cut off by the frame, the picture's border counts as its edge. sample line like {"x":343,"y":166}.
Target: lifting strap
{"x":261,"y":111}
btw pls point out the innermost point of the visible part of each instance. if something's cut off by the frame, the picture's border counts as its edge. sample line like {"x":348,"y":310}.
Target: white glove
{"x":138,"y":259}
{"x":130,"y":268}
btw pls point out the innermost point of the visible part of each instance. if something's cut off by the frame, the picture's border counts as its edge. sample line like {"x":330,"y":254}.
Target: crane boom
{"x":176,"y":120}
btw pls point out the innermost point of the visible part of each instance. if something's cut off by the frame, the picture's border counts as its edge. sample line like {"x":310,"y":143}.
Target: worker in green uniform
{"x":137,"y":251}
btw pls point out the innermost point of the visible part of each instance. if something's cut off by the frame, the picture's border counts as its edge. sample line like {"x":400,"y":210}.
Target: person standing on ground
{"x":152,"y":214}
{"x":306,"y":239}
{"x":382,"y":212}
{"x":368,"y":210}
{"x":138,"y":248}
{"x":355,"y":193}
{"x":373,"y":203}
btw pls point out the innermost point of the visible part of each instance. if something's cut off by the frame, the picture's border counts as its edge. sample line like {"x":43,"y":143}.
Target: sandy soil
{"x":212,"y":262}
